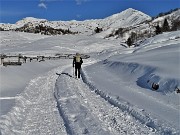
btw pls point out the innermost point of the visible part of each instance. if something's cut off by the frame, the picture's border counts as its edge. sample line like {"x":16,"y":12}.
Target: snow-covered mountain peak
{"x":32,"y":19}
{"x":129,"y":10}
{"x":127,"y":13}
{"x":126,"y":18}
{"x":29,"y":20}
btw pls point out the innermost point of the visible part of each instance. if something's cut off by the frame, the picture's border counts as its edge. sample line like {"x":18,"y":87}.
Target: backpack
{"x":78,"y":59}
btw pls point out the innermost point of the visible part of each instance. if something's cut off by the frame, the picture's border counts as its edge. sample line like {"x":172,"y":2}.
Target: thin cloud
{"x":42,"y":5}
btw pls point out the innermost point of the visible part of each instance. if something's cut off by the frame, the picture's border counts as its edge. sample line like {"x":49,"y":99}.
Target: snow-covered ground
{"x":114,"y":95}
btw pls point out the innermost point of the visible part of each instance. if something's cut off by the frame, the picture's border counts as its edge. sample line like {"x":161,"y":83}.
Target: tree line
{"x":44,"y":30}
{"x":158,"y":30}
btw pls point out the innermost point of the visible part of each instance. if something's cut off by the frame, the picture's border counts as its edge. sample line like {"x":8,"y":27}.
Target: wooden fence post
{"x":19,"y":57}
{"x":2,"y":60}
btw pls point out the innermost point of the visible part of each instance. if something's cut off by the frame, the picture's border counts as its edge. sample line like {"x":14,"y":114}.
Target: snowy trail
{"x":67,"y":106}
{"x":35,"y":111}
{"x":72,"y":105}
{"x":85,"y":112}
{"x":79,"y":111}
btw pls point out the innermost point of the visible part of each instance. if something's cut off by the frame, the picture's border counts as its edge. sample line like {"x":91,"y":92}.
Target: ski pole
{"x":73,"y":71}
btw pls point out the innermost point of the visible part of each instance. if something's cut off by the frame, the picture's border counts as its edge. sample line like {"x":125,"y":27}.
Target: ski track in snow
{"x":69,"y":106}
{"x":85,"y":112}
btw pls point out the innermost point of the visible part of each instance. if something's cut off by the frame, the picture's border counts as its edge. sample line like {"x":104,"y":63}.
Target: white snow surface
{"x":113,"y":97}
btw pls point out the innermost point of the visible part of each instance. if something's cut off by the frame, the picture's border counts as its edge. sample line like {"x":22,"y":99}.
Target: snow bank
{"x":146,"y":76}
{"x":148,"y":62}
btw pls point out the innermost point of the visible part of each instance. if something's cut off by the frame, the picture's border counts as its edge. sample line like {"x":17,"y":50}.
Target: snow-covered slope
{"x":146,"y":28}
{"x":120,"y":25}
{"x":114,"y":96}
{"x":129,"y":17}
{"x":173,"y":16}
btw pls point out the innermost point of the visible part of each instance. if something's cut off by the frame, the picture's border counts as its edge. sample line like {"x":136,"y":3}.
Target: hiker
{"x":77,"y":62}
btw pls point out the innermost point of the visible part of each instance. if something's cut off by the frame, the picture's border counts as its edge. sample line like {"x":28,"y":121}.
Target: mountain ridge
{"x":119,"y":17}
{"x":120,"y":25}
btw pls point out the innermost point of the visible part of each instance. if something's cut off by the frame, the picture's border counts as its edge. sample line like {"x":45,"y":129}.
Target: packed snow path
{"x":85,"y":112}
{"x":66,"y":107}
{"x":35,"y":112}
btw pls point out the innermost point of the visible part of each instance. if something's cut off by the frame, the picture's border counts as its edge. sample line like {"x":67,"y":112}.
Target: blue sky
{"x":55,"y":10}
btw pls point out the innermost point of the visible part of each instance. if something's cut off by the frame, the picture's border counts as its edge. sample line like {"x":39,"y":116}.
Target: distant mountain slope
{"x":146,"y":28}
{"x":120,"y":25}
{"x":129,"y":17}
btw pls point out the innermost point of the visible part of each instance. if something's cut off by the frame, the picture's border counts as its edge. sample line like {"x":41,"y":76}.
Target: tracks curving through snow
{"x":86,"y":112}
{"x":67,"y":106}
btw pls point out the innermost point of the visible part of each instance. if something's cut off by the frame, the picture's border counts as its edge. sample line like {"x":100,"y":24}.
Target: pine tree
{"x":158,"y":30}
{"x":175,"y":25}
{"x":129,"y":42}
{"x":165,"y":26}
{"x":97,"y":30}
